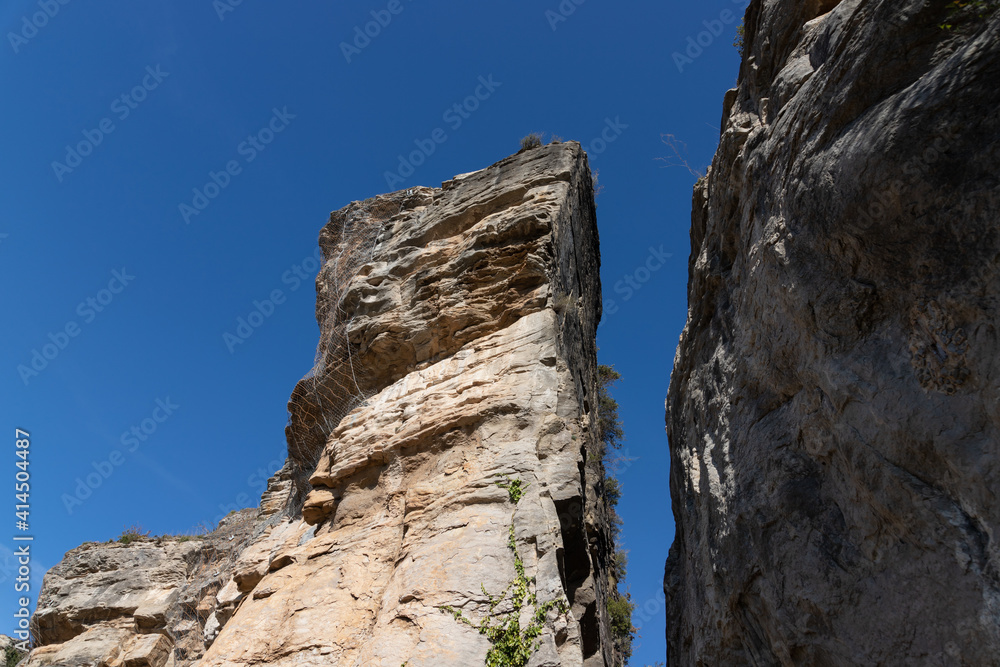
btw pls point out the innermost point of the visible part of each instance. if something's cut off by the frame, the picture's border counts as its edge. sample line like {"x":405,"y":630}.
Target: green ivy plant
{"x":513,"y":487}
{"x":511,"y":645}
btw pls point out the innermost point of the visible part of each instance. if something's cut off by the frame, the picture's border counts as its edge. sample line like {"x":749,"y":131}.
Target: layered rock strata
{"x":466,"y":317}
{"x":144,"y":603}
{"x":833,"y":410}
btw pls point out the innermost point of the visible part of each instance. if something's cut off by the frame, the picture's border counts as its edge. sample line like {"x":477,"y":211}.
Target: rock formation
{"x":445,"y":438}
{"x":833,"y":410}
{"x":140,"y":603}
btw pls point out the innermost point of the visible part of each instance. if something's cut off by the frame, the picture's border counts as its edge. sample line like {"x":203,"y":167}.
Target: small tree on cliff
{"x":612,"y":434}
{"x":608,"y":421}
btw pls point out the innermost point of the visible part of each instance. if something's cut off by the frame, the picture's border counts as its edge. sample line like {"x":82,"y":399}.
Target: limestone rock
{"x":832,"y":411}
{"x":457,"y":351}
{"x":212,"y":627}
{"x":320,"y":504}
{"x":279,"y":487}
{"x":148,"y":651}
{"x":469,"y":373}
{"x":141,"y":603}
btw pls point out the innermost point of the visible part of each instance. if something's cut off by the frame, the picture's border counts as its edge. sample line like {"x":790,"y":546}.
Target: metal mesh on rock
{"x":337,"y":383}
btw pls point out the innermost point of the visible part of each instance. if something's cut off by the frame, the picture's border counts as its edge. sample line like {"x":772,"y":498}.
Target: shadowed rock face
{"x":833,"y":410}
{"x":471,"y":324}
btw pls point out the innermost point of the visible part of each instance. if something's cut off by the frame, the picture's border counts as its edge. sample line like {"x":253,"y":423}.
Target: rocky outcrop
{"x":141,"y":602}
{"x":457,"y":362}
{"x":832,"y":412}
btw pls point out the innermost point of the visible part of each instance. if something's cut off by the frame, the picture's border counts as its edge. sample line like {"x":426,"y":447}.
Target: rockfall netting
{"x":337,"y":383}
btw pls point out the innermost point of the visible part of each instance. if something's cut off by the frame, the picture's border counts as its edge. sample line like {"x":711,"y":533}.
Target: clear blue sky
{"x":104,"y":224}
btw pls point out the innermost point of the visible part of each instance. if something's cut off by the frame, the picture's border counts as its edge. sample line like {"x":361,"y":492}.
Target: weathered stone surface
{"x":275,"y":497}
{"x":140,"y":603}
{"x":833,"y":406}
{"x":421,"y":523}
{"x":470,"y":331}
{"x":148,"y":651}
{"x":103,"y":644}
{"x":478,"y":376}
{"x":107,"y":644}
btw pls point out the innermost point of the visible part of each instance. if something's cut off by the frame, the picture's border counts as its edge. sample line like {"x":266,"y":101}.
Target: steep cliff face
{"x":833,"y":410}
{"x":442,"y":448}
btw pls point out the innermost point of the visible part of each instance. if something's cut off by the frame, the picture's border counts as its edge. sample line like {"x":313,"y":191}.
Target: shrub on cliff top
{"x":533,"y":140}
{"x":13,"y":657}
{"x":133,"y":533}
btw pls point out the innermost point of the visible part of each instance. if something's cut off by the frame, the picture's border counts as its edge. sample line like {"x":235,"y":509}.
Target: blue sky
{"x":116,"y":115}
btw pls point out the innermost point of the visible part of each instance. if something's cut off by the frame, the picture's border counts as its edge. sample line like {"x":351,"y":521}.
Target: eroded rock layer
{"x":468,"y":324}
{"x":144,"y":603}
{"x":833,"y":410}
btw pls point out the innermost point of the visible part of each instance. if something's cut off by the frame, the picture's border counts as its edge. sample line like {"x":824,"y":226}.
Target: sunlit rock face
{"x":457,"y":351}
{"x":833,"y":410}
{"x":138,"y":603}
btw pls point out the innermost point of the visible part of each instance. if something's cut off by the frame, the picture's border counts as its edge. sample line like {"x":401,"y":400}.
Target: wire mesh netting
{"x":337,"y":383}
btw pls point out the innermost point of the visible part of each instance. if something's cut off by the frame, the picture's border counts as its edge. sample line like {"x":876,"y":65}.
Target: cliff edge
{"x":443,"y":472}
{"x":832,"y":412}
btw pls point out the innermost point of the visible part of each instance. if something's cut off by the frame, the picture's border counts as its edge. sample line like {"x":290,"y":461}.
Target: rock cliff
{"x":443,"y":448}
{"x":833,"y":410}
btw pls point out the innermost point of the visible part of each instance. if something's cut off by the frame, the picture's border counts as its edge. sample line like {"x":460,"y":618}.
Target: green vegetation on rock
{"x":533,"y":140}
{"x":612,"y":434}
{"x":12,"y":656}
{"x":133,"y":533}
{"x":511,"y":645}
